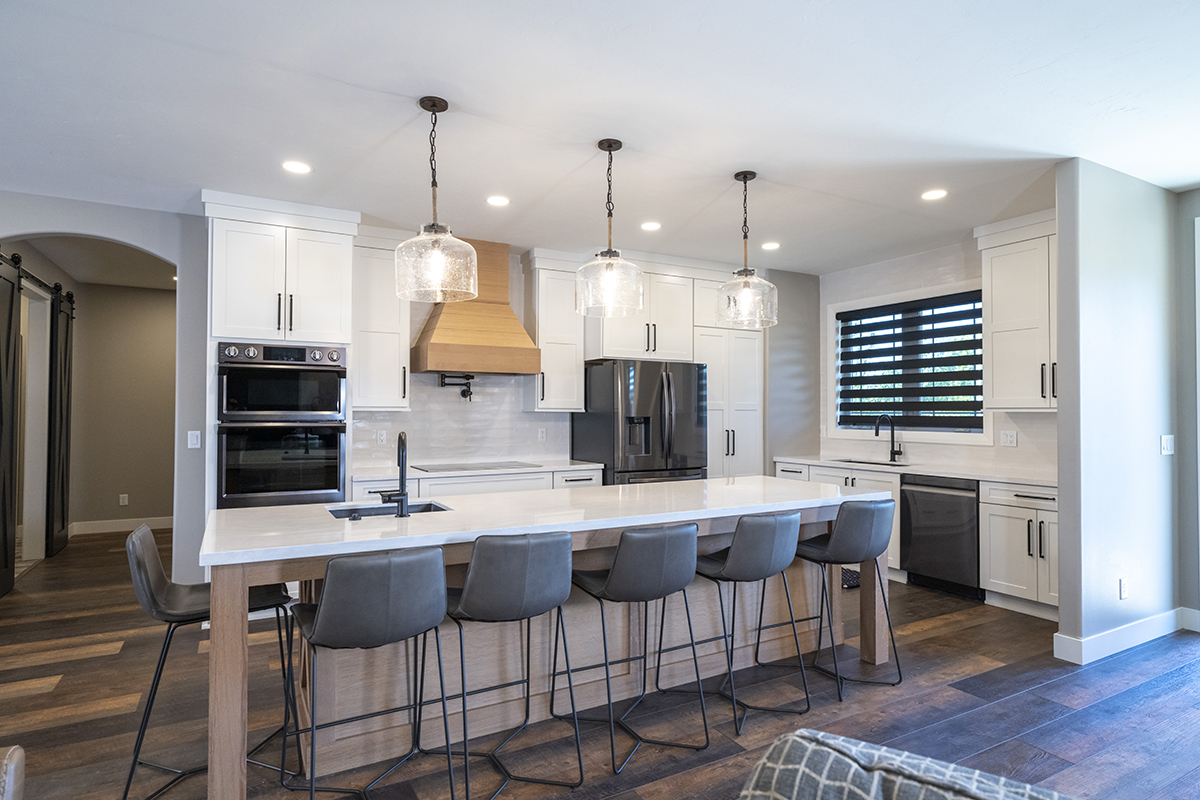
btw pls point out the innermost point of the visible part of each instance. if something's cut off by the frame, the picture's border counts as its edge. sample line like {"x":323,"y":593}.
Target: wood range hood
{"x":481,"y":335}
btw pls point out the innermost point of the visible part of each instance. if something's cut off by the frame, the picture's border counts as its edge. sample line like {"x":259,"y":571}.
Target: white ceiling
{"x":90,"y":260}
{"x":848,"y":111}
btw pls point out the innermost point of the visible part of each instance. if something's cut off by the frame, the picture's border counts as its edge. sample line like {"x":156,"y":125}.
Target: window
{"x":920,"y":362}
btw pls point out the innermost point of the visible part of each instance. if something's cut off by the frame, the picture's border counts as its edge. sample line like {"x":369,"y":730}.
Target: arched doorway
{"x":114,"y":450}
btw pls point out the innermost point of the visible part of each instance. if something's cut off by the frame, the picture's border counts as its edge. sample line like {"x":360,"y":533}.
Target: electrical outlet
{"x":1008,"y":438}
{"x":1124,"y":588}
{"x":541,"y":434}
{"x":122,"y":499}
{"x":822,"y":431}
{"x":381,"y":437}
{"x":1167,"y":443}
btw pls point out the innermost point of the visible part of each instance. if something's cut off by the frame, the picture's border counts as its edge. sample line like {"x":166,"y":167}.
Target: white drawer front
{"x":567,"y":480}
{"x":792,"y":472}
{"x":360,"y":491}
{"x":1043,"y":498}
{"x":442,"y":487}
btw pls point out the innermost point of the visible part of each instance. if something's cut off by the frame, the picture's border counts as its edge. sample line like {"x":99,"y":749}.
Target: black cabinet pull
{"x":1041,"y":539}
{"x":543,"y":387}
{"x":655,"y":327}
{"x":647,"y":337}
{"x":404,"y":383}
{"x":846,"y":481}
{"x":279,"y":311}
{"x":854,"y":481}
{"x":733,"y":450}
{"x":1033,"y":497}
{"x":1029,"y":538}
{"x":1054,"y":379}
{"x":578,"y":480}
{"x":727,"y":441}
{"x":291,"y":310}
{"x":792,"y":471}
{"x":1043,"y":380}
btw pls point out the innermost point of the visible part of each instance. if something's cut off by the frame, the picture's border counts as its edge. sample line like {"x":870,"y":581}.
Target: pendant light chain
{"x":433,"y":161}
{"x":609,"y":204}
{"x":745,"y":224}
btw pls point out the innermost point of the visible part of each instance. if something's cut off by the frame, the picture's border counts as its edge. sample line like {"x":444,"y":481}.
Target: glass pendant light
{"x":433,"y":266}
{"x":608,"y":286}
{"x":747,"y":301}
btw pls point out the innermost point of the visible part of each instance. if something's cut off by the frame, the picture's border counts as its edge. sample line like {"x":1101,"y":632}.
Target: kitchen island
{"x":249,"y":546}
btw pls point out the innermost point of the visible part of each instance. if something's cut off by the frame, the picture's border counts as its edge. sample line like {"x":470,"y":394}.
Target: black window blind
{"x":920,"y":362}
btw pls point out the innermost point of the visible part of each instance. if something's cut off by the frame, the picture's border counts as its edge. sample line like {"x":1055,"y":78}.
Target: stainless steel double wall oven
{"x":282,"y":424}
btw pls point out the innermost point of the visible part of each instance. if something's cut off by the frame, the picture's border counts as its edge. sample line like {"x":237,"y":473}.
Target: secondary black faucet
{"x":402,"y":462}
{"x":893,"y":451}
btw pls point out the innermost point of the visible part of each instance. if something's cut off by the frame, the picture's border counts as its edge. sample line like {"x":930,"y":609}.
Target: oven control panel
{"x":240,"y":353}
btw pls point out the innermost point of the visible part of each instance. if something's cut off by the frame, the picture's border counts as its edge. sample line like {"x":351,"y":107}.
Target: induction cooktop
{"x":486,"y":465}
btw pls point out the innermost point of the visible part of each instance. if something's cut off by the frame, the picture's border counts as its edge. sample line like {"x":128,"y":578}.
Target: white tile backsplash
{"x":443,"y":427}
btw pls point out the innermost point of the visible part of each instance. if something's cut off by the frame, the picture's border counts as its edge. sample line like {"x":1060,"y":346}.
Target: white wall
{"x":178,"y":239}
{"x":1117,"y":324}
{"x":1187,"y":437}
{"x":1037,"y":432}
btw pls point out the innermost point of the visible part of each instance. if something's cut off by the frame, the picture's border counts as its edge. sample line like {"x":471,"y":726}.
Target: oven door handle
{"x":337,"y":427}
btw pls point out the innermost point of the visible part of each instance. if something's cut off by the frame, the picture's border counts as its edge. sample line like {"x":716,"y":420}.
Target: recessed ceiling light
{"x":298,"y":167}
{"x":770,"y":245}
{"x":174,"y":277}
{"x":498,"y":201}
{"x":934,"y":194}
{"x":650,"y":226}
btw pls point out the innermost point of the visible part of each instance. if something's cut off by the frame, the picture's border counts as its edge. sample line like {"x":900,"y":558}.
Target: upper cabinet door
{"x":378,"y":366}
{"x":560,"y":337}
{"x":628,"y":337}
{"x":1016,"y":323}
{"x":318,"y":302}
{"x":704,"y":303}
{"x":248,"y":273}
{"x":670,"y":318}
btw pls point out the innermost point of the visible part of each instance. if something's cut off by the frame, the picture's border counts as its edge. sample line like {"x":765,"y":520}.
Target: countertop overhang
{"x":246,"y":535}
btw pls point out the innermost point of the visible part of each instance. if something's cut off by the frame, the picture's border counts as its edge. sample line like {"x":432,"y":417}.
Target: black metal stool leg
{"x":827,"y":599}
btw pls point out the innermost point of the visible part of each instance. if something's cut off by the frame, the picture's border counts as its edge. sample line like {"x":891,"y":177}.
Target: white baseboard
{"x":1093,"y":648}
{"x":117,"y":525}
{"x":1022,"y":606}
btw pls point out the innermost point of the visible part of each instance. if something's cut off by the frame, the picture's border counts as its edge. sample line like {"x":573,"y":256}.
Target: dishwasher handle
{"x":938,"y":490}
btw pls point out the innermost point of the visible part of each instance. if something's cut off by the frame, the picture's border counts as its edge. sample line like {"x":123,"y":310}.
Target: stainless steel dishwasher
{"x":939,"y":533}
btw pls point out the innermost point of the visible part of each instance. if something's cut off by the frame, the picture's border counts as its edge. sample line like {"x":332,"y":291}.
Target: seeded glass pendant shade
{"x":433,"y":266}
{"x":747,"y":301}
{"x":608,"y":286}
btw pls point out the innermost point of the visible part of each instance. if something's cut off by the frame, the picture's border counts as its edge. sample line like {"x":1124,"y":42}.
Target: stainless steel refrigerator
{"x":646,"y":421}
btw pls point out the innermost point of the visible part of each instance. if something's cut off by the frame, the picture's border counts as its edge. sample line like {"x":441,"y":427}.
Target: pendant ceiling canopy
{"x":747,"y":301}
{"x":433,"y":266}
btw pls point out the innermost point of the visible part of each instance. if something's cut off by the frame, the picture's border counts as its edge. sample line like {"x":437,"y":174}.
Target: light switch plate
{"x":1008,"y":438}
{"x":193,"y":440}
{"x":1168,"y":444}
{"x":122,"y":499}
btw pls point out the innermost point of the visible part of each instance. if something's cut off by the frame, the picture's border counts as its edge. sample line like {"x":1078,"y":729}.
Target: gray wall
{"x":1187,"y":444}
{"x":1117,"y":322}
{"x":793,"y":376}
{"x":123,"y":403}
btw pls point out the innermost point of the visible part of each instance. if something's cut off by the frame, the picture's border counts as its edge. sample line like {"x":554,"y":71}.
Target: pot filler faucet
{"x":893,"y":451}
{"x":402,"y":462}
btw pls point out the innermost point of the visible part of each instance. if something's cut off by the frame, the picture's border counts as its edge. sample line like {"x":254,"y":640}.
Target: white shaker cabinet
{"x":662,"y":332}
{"x":558,"y":331}
{"x":1019,"y":324}
{"x":271,"y":282}
{"x":379,"y":366}
{"x":734,"y":376}
{"x":1018,"y":541}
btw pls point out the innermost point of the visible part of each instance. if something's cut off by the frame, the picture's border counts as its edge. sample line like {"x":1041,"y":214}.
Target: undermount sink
{"x":380,"y":510}
{"x":873,"y":463}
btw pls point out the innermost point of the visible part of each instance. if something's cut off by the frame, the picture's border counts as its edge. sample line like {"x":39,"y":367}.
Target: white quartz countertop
{"x":244,"y":535}
{"x":383,"y":472}
{"x":1000,"y":475}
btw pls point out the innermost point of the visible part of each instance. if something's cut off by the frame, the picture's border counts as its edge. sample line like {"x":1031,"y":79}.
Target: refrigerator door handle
{"x":671,"y":430}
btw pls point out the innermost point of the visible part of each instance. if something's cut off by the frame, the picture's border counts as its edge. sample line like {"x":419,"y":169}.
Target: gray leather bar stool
{"x":512,"y":579}
{"x":177,"y":605}
{"x":650,"y":564}
{"x":762,"y":546}
{"x":860,"y":533}
{"x":368,"y":601}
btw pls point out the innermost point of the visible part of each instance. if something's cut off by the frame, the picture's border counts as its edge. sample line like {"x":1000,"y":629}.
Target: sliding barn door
{"x":9,"y":328}
{"x":58,"y":479}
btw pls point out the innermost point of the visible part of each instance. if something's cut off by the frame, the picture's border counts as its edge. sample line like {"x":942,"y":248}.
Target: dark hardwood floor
{"x":981,"y":688}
